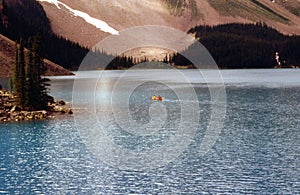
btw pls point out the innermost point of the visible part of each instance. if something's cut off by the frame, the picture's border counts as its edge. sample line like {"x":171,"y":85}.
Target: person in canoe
{"x":159,"y":98}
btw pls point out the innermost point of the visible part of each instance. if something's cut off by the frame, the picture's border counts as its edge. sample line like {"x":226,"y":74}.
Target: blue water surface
{"x":257,"y":151}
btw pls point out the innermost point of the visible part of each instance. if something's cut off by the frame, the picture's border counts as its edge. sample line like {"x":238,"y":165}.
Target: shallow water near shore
{"x":257,"y":151}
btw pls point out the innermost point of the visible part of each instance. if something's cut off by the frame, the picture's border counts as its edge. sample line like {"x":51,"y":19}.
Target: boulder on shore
{"x":16,"y":109}
{"x":9,"y":111}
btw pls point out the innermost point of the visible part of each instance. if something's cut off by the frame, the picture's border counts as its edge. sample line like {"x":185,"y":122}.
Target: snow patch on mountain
{"x":55,"y":2}
{"x":93,"y":21}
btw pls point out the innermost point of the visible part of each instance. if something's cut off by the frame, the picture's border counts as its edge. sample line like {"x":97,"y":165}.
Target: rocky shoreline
{"x":9,"y":112}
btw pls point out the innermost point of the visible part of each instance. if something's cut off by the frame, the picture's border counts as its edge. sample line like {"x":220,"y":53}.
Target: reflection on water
{"x":257,"y":151}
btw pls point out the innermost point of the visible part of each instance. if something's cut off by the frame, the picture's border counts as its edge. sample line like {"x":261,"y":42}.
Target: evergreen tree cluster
{"x":28,"y":84}
{"x":178,"y":60}
{"x":245,"y":46}
{"x":124,"y":62}
{"x":234,"y":46}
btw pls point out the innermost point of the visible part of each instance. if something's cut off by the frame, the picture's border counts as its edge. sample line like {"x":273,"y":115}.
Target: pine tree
{"x":4,"y":6}
{"x":22,"y":79}
{"x":10,"y":84}
{"x":29,"y":86}
{"x":37,"y":86}
{"x":16,"y":84}
{"x":19,"y":75}
{"x":30,"y":79}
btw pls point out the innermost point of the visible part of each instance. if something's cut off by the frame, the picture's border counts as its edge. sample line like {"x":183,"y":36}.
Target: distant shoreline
{"x":191,"y":67}
{"x":4,"y":80}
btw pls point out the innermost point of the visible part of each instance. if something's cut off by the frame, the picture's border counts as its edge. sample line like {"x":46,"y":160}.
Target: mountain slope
{"x":7,"y":58}
{"x":26,"y":19}
{"x":182,"y":14}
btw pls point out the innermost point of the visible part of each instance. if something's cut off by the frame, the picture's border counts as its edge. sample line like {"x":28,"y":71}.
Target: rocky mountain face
{"x":89,"y":21}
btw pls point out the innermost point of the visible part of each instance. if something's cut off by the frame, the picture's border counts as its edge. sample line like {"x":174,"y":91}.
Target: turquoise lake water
{"x":256,"y":151}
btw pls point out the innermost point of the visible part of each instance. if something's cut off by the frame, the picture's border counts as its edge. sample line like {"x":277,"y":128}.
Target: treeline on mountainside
{"x":124,"y":62}
{"x":245,"y":46}
{"x":233,"y":46}
{"x":25,"y":19}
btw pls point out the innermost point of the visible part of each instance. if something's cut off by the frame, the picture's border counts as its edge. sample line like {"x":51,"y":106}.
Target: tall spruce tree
{"x":37,"y":91}
{"x":16,"y":84}
{"x":22,"y":65}
{"x":30,"y":78}
{"x":19,"y":75}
